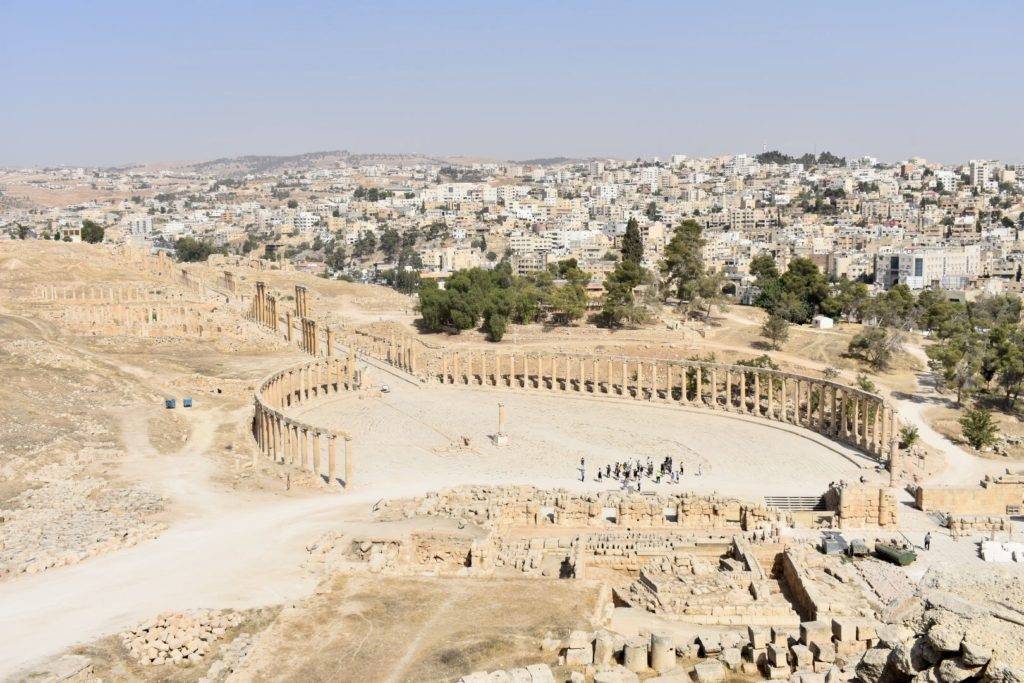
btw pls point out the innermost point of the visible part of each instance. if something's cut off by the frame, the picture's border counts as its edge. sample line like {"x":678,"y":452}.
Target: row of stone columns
{"x":291,"y":442}
{"x":128,"y":294}
{"x":396,"y":350}
{"x":842,"y":413}
{"x":301,"y":302}
{"x":310,"y":341}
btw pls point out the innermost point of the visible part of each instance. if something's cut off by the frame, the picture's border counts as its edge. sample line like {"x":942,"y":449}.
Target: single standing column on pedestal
{"x":349,"y":462}
{"x":316,"y":453}
{"x":331,"y":460}
{"x":757,"y":393}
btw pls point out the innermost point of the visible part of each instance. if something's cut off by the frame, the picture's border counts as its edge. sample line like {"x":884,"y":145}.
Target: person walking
{"x":928,"y":541}
{"x":583,"y":469}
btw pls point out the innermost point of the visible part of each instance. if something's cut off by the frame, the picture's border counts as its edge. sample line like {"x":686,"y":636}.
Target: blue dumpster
{"x":186,"y":403}
{"x":170,"y":403}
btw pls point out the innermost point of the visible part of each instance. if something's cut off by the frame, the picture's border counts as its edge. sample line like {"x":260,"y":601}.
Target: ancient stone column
{"x":624,"y":387}
{"x":316,"y":453}
{"x":639,"y":381}
{"x":634,"y":656}
{"x":350,"y":464}
{"x":330,"y":340}
{"x":331,"y":460}
{"x":856,"y":419}
{"x":663,"y":652}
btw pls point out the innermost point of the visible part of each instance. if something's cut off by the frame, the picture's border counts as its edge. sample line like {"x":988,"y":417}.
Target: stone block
{"x":778,"y":655}
{"x":604,"y":648}
{"x":844,"y":629}
{"x":802,"y":657}
{"x":824,"y":652}
{"x":616,"y":675}
{"x":709,"y":672}
{"x":973,"y":652}
{"x":954,"y":670}
{"x":758,"y":636}
{"x":732,"y":658}
{"x":778,"y":673}
{"x":540,"y":673}
{"x":520,"y":675}
{"x":872,"y":663}
{"x":867,"y":630}
{"x":815,"y":631}
{"x":579,"y":656}
{"x":710,"y":644}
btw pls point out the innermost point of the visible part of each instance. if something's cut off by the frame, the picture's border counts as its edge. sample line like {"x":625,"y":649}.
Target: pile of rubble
{"x":68,"y":520}
{"x":178,"y":638}
{"x":950,"y":642}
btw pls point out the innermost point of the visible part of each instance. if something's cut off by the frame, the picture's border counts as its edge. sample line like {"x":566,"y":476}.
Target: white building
{"x":921,"y":267}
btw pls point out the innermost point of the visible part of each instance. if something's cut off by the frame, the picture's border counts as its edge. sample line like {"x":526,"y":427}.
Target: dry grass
{"x":418,"y":629}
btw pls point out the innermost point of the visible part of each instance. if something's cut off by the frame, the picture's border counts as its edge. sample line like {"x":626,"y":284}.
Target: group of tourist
{"x":631,"y":473}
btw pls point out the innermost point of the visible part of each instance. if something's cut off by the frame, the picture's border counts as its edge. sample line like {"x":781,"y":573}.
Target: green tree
{"x":337,"y":259}
{"x":776,"y":330}
{"x":958,"y":359}
{"x":632,"y":243}
{"x":876,"y":345}
{"x":619,"y":302}
{"x":909,"y":435}
{"x":764,"y":268}
{"x":683,"y":266}
{"x":1007,"y":360}
{"x":652,"y":212}
{"x":389,"y":242}
{"x":495,"y":325}
{"x":567,"y":303}
{"x":979,"y":428}
{"x":92,"y":232}
{"x":189,"y":249}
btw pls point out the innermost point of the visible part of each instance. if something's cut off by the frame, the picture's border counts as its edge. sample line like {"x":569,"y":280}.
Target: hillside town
{"x":915,"y":222}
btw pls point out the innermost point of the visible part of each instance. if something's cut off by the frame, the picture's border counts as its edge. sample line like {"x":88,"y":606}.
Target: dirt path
{"x":222,"y":549}
{"x":962,"y":468}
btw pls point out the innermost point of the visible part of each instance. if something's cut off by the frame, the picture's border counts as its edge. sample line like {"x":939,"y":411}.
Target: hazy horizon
{"x":119,"y":83}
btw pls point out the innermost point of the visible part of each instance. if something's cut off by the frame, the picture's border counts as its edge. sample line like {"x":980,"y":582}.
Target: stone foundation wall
{"x":970,"y":525}
{"x":862,"y":507}
{"x":525,"y":506}
{"x":998,"y":496}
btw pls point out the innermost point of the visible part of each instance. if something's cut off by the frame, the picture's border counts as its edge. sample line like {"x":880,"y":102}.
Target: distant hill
{"x":257,"y":164}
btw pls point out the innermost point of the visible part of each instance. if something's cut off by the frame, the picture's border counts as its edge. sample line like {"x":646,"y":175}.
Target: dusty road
{"x":226,"y":550}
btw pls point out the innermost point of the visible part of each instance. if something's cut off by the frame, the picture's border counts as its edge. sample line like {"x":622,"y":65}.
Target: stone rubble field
{"x":178,"y":638}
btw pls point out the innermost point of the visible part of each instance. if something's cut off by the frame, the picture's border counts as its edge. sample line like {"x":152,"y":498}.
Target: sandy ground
{"x":408,"y":441}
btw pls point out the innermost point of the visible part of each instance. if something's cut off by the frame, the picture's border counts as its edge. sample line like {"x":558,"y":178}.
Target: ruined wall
{"x":862,"y":507}
{"x":526,"y":506}
{"x":994,"y":497}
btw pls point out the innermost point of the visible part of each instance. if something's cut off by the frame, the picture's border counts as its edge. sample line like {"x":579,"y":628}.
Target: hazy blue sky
{"x":115,"y":82}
